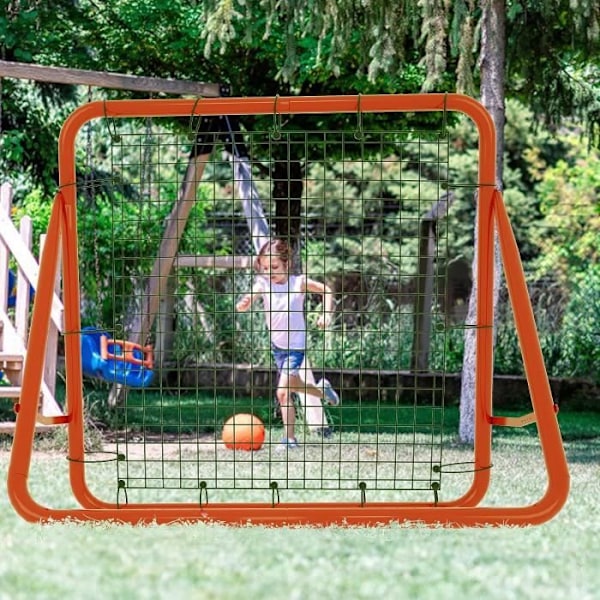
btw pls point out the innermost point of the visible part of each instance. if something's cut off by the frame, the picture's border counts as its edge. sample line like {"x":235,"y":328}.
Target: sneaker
{"x":324,"y":432}
{"x":330,"y":394}
{"x":288,"y":444}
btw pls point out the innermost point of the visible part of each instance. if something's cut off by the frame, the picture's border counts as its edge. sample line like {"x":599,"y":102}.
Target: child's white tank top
{"x":284,"y":311}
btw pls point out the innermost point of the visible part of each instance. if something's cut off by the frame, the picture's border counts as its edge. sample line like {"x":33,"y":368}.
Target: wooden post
{"x":18,"y":243}
{"x":6,"y":195}
{"x":23,"y":285}
{"x":425,"y":278}
{"x":424,"y":298}
{"x":175,"y":226}
{"x":53,"y":334}
{"x":139,"y":330}
{"x":165,"y":334}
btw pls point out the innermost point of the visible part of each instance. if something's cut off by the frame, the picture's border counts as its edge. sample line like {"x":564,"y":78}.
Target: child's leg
{"x":297,"y":384}
{"x":288,"y":410}
{"x":323,"y":391}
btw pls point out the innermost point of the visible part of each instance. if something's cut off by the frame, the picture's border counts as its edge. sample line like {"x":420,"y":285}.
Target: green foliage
{"x":382,"y":341}
{"x":555,"y":70}
{"x":119,"y":242}
{"x":548,"y":308}
{"x":567,"y":322}
{"x":31,"y":120}
{"x":569,"y":235}
{"x":266,"y":48}
{"x":108,"y":249}
{"x":316,"y":47}
{"x":580,"y":332}
{"x":31,"y":114}
{"x":317,"y":36}
{"x":38,"y":207}
{"x":208,"y":328}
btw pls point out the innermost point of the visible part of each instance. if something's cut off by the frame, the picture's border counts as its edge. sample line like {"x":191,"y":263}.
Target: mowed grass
{"x":205,"y":412}
{"x":555,"y":560}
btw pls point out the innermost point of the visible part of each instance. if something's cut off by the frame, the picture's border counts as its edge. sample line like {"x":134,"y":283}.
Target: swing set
{"x":116,"y":361}
{"x":170,"y":464}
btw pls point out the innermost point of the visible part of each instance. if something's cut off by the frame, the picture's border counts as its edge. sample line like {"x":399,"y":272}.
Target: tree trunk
{"x":492,"y":64}
{"x":287,"y":192}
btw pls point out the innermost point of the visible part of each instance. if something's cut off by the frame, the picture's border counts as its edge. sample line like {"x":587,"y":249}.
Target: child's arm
{"x":246,"y":301}
{"x":316,"y":287}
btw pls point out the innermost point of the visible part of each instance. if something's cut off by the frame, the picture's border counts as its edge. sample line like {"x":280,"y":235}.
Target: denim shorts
{"x":288,"y":361}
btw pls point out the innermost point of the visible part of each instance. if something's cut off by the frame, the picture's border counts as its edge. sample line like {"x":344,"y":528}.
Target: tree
{"x":31,"y":114}
{"x":564,"y":53}
{"x":341,"y":46}
{"x":493,"y":32}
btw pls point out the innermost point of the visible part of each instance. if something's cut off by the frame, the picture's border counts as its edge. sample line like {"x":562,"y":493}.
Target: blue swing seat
{"x":115,"y":361}
{"x":12,"y":290}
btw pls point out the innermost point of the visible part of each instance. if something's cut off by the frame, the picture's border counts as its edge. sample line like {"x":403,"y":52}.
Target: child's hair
{"x":276,"y":247}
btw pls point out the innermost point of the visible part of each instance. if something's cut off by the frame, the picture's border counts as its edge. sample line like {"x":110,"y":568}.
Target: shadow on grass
{"x":584,"y":452}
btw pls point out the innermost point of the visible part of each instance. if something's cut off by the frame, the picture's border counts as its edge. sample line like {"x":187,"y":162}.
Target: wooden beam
{"x":8,"y":428}
{"x":10,"y":239}
{"x":172,"y":234}
{"x":157,"y":283}
{"x":104,"y":79}
{"x":195,"y":261}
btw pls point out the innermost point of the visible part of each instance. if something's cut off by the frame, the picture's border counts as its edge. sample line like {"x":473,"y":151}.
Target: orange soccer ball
{"x":243,"y":432}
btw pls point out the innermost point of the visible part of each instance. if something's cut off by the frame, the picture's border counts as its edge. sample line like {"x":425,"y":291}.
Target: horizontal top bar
{"x":375,"y":103}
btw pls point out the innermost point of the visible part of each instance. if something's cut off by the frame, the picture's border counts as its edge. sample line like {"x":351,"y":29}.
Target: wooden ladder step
{"x":8,"y":428}
{"x":11,"y":364}
{"x":11,"y":357}
{"x":10,"y":391}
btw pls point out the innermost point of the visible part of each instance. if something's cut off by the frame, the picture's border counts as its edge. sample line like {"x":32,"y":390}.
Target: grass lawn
{"x":556,"y":560}
{"x":192,"y":411}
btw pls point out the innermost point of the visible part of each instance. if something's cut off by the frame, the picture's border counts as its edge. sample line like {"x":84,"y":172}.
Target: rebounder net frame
{"x":360,"y":475}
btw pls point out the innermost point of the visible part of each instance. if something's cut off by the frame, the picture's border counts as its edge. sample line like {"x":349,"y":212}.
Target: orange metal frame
{"x":466,"y":510}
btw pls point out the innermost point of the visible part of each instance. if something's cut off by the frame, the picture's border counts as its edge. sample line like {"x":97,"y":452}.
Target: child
{"x":283,"y":300}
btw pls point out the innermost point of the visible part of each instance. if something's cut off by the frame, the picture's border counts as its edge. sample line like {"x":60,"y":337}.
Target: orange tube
{"x":62,"y":236}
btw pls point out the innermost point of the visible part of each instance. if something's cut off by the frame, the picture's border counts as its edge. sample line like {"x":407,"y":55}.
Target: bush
{"x":580,"y":335}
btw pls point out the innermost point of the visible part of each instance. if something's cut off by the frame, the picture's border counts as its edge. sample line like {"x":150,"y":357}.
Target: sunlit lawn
{"x":555,"y":560}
